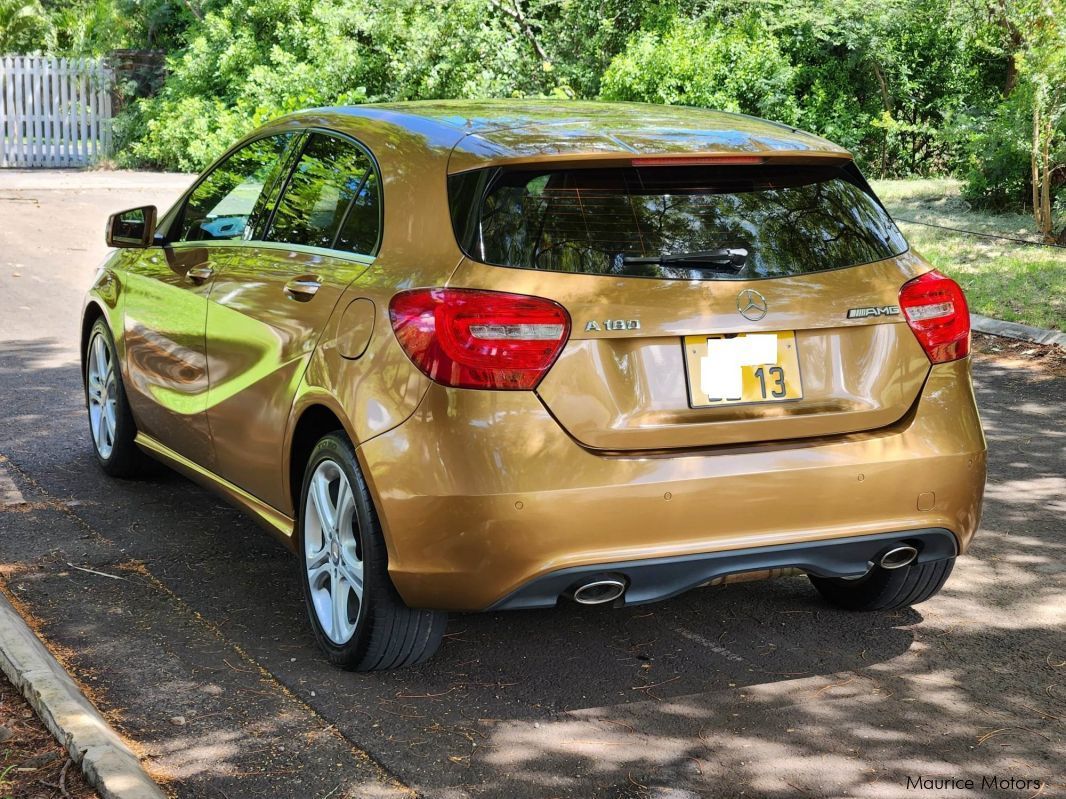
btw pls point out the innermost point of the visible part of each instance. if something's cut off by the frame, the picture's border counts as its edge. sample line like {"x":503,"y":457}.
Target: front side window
{"x":233,"y":199}
{"x":675,"y":222}
{"x":332,"y":199}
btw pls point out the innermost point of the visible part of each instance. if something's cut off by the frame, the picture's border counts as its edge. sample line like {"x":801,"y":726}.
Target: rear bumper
{"x":652,"y":579}
{"x":482,"y":493}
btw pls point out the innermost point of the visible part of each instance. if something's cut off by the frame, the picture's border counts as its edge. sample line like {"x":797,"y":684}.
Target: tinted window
{"x":235,"y":196}
{"x":692,"y":222}
{"x":332,"y":199}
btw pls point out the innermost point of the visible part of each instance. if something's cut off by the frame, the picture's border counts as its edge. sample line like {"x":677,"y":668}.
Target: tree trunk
{"x":886,"y":97}
{"x":1001,"y":15}
{"x":194,"y":9}
{"x":1034,"y":162}
{"x":886,"y":104}
{"x":516,"y":13}
{"x":1045,"y":183}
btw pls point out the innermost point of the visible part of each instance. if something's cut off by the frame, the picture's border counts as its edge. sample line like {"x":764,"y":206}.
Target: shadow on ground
{"x":760,"y":689}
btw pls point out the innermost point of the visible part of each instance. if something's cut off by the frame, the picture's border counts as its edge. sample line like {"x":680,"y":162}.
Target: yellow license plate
{"x":742,"y":368}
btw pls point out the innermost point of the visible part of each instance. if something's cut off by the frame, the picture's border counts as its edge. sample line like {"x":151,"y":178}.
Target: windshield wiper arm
{"x":729,"y":258}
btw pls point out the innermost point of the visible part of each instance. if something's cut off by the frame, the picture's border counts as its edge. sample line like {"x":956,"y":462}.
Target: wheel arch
{"x":314,"y":419}
{"x":319,"y":416}
{"x":93,"y":311}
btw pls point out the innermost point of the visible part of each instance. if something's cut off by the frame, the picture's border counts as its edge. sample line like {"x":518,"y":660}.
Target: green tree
{"x":251,"y":60}
{"x":736,"y":66}
{"x":1016,"y":145}
{"x":886,"y":80}
{"x":1042,"y":67}
{"x":96,"y":27}
{"x":910,"y":86}
{"x":24,"y":26}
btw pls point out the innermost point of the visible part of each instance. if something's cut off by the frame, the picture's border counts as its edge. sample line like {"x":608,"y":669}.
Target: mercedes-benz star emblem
{"x":751,"y":304}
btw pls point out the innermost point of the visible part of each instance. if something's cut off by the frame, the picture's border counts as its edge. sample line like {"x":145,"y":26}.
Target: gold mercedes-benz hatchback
{"x":495,"y":355}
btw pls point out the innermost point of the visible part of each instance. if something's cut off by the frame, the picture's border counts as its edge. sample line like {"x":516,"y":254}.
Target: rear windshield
{"x":684,"y":222}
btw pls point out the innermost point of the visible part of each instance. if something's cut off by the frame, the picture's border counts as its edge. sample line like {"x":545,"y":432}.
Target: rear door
{"x":167,"y":294}
{"x":711,"y":304}
{"x":273,"y":296}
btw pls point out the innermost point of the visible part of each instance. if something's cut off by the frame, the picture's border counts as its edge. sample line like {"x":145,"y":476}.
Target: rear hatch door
{"x":711,"y":303}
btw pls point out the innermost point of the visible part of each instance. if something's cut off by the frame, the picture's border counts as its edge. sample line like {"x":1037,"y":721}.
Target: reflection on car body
{"x":498,"y":355}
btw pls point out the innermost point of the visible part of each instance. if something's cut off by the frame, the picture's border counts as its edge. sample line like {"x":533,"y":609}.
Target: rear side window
{"x":332,"y":199}
{"x":683,"y":222}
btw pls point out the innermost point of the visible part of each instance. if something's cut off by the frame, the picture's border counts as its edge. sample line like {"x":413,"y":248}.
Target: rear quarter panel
{"x":359,"y":371}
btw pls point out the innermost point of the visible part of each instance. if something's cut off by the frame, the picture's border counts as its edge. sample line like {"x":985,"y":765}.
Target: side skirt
{"x":275,"y":522}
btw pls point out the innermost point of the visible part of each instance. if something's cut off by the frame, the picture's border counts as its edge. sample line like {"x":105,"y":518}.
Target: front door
{"x":168,"y":290}
{"x":271,"y":300}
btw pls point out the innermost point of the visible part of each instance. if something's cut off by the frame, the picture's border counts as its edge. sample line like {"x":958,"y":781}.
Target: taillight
{"x":935,"y":309}
{"x":480,"y":339}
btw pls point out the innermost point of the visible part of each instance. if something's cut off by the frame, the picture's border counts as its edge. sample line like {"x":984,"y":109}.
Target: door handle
{"x":199,"y":274}
{"x":303,"y":288}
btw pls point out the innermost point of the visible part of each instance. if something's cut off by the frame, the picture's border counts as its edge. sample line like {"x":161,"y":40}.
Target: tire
{"x":111,"y":426}
{"x":373,"y":630}
{"x":886,"y":589}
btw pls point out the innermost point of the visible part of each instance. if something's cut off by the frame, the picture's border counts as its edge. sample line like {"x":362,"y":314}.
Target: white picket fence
{"x":54,"y":112}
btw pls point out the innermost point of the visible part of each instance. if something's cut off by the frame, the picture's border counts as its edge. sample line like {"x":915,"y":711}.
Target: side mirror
{"x":132,"y":228}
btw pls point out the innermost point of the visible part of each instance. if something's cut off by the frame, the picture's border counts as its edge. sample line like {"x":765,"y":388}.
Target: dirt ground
{"x":1012,"y":354}
{"x":32,"y":763}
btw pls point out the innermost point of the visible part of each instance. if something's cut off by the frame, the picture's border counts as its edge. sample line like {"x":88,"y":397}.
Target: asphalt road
{"x":185,"y":622}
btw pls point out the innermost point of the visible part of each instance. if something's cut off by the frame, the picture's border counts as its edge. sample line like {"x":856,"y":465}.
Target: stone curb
{"x":108,"y":763}
{"x":997,"y":327}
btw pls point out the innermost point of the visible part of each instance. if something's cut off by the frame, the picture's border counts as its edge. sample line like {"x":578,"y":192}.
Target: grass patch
{"x":1002,"y":279}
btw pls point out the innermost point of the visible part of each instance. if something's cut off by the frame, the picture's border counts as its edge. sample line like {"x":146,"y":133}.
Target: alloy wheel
{"x":332,"y":555}
{"x":102,"y":390}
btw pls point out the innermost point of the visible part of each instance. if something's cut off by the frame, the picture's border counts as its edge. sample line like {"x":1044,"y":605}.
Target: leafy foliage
{"x":995,"y":147}
{"x":732,"y":67}
{"x":1015,"y":146}
{"x":23,"y":25}
{"x":912,"y":87}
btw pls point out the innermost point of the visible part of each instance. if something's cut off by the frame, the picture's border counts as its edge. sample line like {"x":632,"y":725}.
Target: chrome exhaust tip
{"x":898,"y":557}
{"x":599,"y":591}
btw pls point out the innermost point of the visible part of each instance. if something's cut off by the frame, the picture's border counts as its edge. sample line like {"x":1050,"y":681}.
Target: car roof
{"x":497,"y":131}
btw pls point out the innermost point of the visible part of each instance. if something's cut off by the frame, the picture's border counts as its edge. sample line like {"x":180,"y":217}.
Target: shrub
{"x":996,"y":146}
{"x":730,"y":67}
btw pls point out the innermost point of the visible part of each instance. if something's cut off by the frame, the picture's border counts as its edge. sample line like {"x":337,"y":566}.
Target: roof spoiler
{"x":465,"y":161}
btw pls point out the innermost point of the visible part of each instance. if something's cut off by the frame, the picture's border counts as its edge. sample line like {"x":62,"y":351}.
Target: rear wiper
{"x":726,"y":258}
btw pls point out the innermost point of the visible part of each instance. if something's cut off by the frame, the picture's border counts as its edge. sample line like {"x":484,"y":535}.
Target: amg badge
{"x":613,"y":324}
{"x":876,"y":310}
